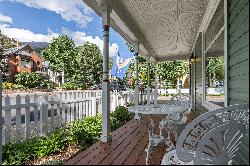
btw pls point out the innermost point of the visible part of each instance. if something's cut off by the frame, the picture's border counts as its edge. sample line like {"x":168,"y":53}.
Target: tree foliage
{"x":215,"y":69}
{"x":171,"y":71}
{"x":90,"y":59}
{"x":5,"y":43}
{"x":168,"y":72}
{"x":143,"y":72}
{"x":82,"y":65}
{"x":61,"y":55}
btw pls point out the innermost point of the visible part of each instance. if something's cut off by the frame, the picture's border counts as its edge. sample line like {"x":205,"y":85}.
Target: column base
{"x":106,"y":138}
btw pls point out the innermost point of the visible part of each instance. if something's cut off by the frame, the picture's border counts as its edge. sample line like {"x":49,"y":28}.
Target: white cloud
{"x":5,"y":19}
{"x":24,"y":35}
{"x":81,"y":37}
{"x":70,"y":10}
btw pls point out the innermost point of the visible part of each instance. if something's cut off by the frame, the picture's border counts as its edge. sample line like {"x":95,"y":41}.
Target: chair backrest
{"x":214,"y":137}
{"x":182,"y":99}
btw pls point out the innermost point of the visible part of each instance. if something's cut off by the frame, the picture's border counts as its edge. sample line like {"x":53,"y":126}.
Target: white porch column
{"x":148,"y":87}
{"x":136,"y":77}
{"x":156,"y":88}
{"x":106,"y":137}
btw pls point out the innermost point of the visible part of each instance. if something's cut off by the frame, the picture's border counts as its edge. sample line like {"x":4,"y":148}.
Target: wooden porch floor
{"x":127,"y":148}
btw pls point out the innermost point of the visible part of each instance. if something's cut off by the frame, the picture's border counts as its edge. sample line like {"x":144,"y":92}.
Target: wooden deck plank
{"x":126,"y":148}
{"x":91,"y":149}
{"x":142,"y":158}
{"x":115,"y":153}
{"x":141,"y":146}
{"x":102,"y":153}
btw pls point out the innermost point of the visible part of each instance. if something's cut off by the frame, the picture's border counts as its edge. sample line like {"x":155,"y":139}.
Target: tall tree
{"x":90,"y":60}
{"x":168,"y":72}
{"x":214,"y":69}
{"x":61,"y":55}
{"x":143,"y":74}
{"x":171,"y":71}
{"x":5,"y":43}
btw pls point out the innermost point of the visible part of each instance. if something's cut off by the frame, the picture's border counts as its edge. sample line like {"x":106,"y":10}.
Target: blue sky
{"x":41,"y":20}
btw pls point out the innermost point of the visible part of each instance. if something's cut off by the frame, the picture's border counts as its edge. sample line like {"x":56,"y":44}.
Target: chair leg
{"x":149,"y":150}
{"x":161,"y":128}
{"x":169,"y":142}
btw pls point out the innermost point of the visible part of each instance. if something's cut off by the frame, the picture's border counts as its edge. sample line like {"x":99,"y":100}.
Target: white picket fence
{"x":31,"y":115}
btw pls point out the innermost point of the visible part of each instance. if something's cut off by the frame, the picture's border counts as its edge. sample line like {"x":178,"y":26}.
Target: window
{"x":215,"y":72}
{"x":25,"y":63}
{"x":214,"y":58}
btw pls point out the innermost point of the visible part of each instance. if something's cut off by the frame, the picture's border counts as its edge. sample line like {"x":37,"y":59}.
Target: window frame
{"x":209,"y":105}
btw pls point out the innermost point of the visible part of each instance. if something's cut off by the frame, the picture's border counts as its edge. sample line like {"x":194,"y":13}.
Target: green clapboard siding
{"x":238,"y":64}
{"x":238,"y":54}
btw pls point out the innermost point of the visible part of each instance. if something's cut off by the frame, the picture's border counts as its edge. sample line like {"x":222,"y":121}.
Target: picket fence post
{"x":18,"y":117}
{"x":27,"y":118}
{"x":7,"y":120}
{"x":44,"y":115}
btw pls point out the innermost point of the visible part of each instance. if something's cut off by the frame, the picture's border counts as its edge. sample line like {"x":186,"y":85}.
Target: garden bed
{"x":63,"y":143}
{"x":56,"y":158}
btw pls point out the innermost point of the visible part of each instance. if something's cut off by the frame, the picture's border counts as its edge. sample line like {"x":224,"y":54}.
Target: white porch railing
{"x":31,"y":115}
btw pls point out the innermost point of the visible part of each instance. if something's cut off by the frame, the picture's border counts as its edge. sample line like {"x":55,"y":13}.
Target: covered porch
{"x":164,"y":31}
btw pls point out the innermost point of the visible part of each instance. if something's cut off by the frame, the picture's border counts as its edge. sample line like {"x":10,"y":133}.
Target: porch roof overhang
{"x":166,"y":29}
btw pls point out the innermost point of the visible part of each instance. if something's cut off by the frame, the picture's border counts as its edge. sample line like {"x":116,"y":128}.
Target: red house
{"x":22,"y":59}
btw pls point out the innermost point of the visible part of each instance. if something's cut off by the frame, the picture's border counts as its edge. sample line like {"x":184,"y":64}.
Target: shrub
{"x":18,"y":153}
{"x":119,"y":117}
{"x":55,"y":142}
{"x":69,"y":86}
{"x":48,"y":85}
{"x":29,"y":80}
{"x":85,"y":132}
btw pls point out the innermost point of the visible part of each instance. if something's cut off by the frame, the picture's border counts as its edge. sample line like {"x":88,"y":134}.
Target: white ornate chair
{"x":212,"y":138}
{"x":172,"y":122}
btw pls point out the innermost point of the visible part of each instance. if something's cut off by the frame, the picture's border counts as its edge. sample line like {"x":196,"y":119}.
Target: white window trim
{"x":206,"y":104}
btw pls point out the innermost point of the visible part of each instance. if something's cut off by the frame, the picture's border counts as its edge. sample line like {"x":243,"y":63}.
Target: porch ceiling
{"x":166,"y":29}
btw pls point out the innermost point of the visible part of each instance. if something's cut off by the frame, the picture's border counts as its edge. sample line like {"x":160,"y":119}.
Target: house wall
{"x":12,"y":63}
{"x":36,"y":59}
{"x":237,"y":66}
{"x":238,"y":63}
{"x":238,"y":52}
